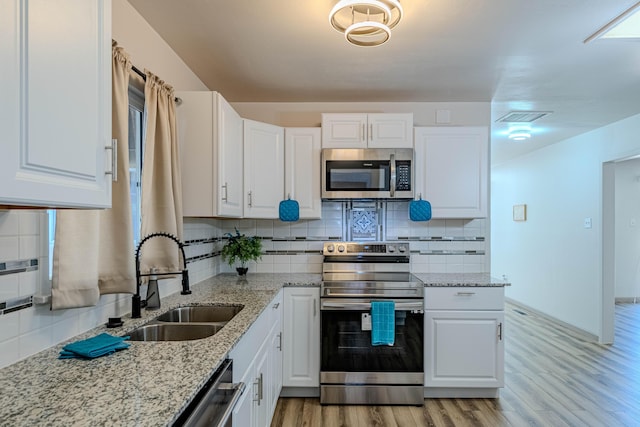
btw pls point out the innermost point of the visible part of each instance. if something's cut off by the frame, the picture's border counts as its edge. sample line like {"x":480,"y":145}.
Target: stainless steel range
{"x":352,"y":369}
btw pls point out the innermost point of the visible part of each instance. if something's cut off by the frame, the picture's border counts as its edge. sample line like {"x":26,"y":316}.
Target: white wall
{"x":553,"y":262}
{"x":627,"y":229}
{"x":148,"y":50}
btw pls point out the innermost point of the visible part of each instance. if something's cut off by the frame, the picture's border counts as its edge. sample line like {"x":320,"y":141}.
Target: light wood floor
{"x":552,"y":378}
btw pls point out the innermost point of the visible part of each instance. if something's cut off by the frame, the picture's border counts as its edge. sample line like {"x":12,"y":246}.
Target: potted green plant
{"x":240,"y":248}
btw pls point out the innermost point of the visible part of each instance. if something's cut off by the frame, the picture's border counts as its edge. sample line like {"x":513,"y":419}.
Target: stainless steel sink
{"x":201,"y":314}
{"x":173,"y":332}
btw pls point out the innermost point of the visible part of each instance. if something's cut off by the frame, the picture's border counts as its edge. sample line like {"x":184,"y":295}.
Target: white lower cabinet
{"x":301,"y":338}
{"x":464,"y":341}
{"x":257,"y":361}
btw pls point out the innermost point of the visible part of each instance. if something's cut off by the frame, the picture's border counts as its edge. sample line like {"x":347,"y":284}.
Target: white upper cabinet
{"x":360,"y":130}
{"x":55,"y":103}
{"x":211,"y":153}
{"x":452,"y":166}
{"x":302,"y":169}
{"x":263,"y":169}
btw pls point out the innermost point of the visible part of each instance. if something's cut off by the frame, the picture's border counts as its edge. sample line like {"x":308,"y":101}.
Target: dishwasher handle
{"x":239,"y":389}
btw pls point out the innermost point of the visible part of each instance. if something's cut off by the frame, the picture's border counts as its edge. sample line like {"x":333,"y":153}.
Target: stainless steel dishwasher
{"x":213,"y":405}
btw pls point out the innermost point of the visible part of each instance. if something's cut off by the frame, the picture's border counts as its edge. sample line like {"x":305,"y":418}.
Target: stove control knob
{"x":391,"y":249}
{"x":330,"y":248}
{"x":341,"y":248}
{"x":402,"y":249}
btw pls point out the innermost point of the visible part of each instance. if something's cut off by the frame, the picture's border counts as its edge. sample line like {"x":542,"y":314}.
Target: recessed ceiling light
{"x":624,"y":26}
{"x":520,"y":132}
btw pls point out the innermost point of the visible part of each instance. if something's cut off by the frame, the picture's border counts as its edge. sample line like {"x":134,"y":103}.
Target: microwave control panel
{"x":403,"y":175}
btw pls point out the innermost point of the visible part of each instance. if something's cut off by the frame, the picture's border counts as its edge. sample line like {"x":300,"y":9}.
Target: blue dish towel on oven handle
{"x":383,"y":316}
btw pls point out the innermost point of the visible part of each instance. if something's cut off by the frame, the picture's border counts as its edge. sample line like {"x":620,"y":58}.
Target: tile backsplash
{"x":437,"y":246}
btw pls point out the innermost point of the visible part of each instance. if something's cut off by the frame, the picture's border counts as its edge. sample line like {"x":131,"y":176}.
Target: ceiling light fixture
{"x":520,"y":132}
{"x":366,"y":22}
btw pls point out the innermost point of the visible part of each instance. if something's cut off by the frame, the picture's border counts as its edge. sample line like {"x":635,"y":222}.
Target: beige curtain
{"x":161,"y":187}
{"x":93,"y":252}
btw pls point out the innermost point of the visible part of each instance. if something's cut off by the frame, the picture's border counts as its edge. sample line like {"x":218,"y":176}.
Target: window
{"x":136,"y":145}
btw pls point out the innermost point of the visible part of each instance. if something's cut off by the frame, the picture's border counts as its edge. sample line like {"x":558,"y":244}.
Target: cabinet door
{"x":194,"y":118}
{"x":301,"y":337}
{"x":344,"y":130}
{"x":260,"y":386}
{"x":464,"y":349}
{"x":275,"y":369}
{"x":390,"y":131}
{"x":243,"y":415}
{"x":228,"y":140}
{"x":302,"y":169}
{"x":55,"y":103}
{"x":210,"y":140}
{"x":263,"y":169}
{"x":452,"y":170}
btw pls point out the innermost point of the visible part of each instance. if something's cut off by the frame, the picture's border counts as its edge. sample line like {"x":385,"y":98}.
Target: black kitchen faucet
{"x":136,"y":301}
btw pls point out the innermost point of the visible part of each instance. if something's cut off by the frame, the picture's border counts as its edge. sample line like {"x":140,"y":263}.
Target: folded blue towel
{"x":383,"y":316}
{"x":97,"y":346}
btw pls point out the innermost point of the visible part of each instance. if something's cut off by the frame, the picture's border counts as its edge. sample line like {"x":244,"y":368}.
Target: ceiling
{"x":516,"y":54}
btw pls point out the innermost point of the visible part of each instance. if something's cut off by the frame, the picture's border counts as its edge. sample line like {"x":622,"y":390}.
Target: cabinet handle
{"x":260,"y":389}
{"x":224,"y":187}
{"x":279,"y":347}
{"x":371,"y":132}
{"x":465,"y":294}
{"x":276,"y":305}
{"x":363,"y":132}
{"x":114,"y":160}
{"x":500,"y":331}
{"x":314,"y":307}
{"x":250,"y":198}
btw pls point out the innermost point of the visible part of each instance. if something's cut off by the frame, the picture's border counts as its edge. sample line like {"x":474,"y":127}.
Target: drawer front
{"x":464,"y":298}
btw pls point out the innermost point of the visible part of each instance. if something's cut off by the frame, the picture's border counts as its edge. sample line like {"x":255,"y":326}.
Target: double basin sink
{"x":186,"y":323}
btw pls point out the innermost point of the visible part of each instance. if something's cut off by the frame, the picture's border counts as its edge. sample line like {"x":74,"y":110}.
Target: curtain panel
{"x":93,"y":252}
{"x":161,"y":185}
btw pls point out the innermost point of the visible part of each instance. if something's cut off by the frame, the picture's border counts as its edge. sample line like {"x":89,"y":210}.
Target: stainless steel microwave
{"x":380,"y":173}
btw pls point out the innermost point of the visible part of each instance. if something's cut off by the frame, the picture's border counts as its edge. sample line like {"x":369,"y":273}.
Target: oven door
{"x":347,"y":355}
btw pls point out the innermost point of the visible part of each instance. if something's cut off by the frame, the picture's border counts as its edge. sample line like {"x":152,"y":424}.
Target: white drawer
{"x":464,"y":298}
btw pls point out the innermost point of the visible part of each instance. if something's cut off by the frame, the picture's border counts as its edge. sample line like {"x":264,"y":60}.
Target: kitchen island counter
{"x":149,"y":383}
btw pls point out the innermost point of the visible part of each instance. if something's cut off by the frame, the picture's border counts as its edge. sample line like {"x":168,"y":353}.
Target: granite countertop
{"x":150,"y":383}
{"x":460,"y":279}
{"x":147,"y":384}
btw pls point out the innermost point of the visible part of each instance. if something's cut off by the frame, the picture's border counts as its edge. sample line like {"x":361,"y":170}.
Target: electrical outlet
{"x":587,"y":223}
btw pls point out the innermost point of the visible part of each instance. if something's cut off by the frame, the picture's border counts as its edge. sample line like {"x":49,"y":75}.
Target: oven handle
{"x":329,"y":293}
{"x":400,"y":306}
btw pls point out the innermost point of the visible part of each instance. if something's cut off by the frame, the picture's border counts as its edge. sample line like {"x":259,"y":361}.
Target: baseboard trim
{"x":585,"y":335}
{"x":461,"y":393}
{"x":300,"y":392}
{"x":628,"y":300}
